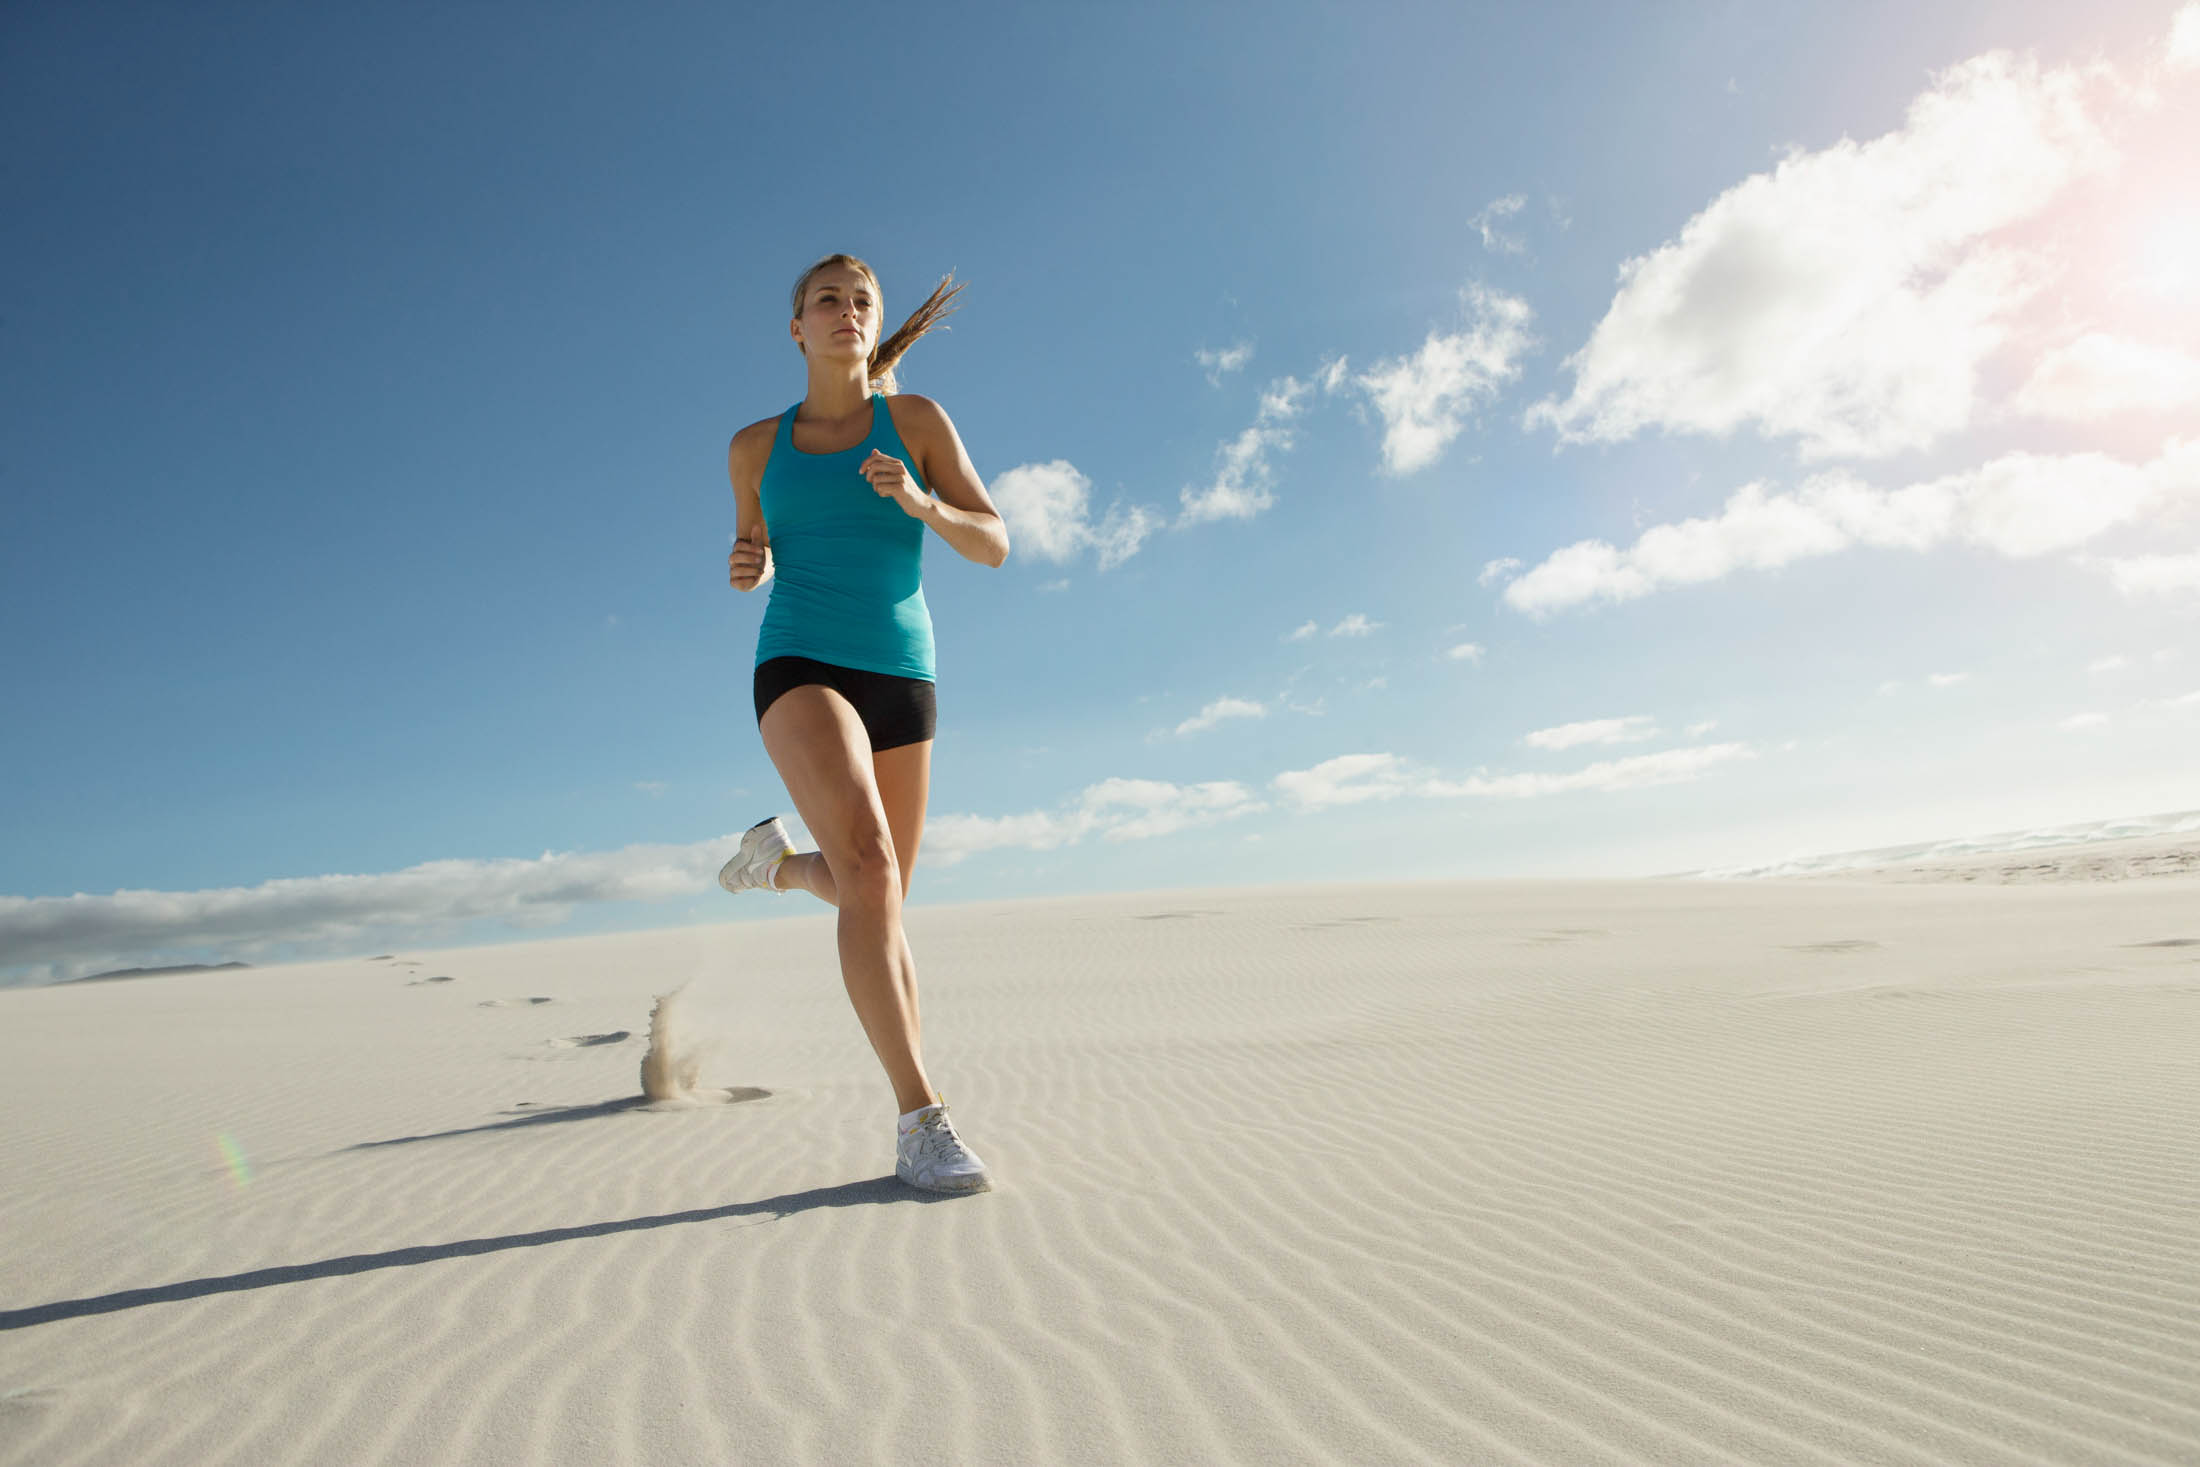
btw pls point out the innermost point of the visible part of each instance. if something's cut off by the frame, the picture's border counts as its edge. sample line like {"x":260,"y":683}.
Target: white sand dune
{"x":1565,"y":1173}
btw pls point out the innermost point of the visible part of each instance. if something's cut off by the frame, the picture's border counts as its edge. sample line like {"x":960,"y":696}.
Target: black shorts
{"x":894,"y":710}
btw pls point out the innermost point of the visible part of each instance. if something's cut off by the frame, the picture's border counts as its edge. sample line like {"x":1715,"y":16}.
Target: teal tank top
{"x":847,"y":582}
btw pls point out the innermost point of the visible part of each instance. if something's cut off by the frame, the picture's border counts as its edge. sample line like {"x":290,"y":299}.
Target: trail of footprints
{"x":570,"y":1041}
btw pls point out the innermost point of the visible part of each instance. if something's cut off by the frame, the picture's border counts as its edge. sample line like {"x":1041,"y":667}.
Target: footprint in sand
{"x":511,"y":1003}
{"x":1172,"y":916}
{"x":1838,"y":945}
{"x":31,"y":1401}
{"x":2169,"y":942}
{"x":439,"y":978}
{"x":586,"y":1041}
{"x":1553,"y":936}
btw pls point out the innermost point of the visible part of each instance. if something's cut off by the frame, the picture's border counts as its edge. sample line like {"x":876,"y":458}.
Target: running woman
{"x":834,"y":495}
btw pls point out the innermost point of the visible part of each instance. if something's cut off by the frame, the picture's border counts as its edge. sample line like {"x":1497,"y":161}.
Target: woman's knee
{"x":873,"y":874}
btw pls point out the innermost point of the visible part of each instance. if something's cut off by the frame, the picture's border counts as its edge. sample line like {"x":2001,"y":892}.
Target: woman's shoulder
{"x":751,"y":449}
{"x":764,"y":429}
{"x":913,"y":413}
{"x":756,"y":439}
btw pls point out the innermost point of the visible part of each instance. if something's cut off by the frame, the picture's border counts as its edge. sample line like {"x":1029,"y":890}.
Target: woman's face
{"x":839,"y":314}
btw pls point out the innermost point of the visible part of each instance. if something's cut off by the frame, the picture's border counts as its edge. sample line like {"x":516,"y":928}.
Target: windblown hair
{"x":937,"y":307}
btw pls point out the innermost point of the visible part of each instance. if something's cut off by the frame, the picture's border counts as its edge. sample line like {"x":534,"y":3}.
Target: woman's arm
{"x":750,"y":565}
{"x":958,"y":506}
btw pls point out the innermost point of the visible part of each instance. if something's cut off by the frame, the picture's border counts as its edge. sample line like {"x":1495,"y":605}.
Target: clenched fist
{"x":749,"y":566}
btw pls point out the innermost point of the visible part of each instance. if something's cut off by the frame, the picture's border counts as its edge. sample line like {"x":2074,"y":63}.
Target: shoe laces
{"x":934,"y":1138}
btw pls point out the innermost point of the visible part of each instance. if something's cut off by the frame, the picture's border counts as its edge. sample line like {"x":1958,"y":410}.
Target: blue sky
{"x":1438,"y":440}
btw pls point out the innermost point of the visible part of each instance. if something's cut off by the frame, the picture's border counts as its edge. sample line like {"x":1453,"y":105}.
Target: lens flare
{"x":240,"y":1169}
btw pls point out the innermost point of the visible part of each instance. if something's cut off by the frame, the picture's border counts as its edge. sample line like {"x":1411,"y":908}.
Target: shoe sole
{"x":952,"y":1189}
{"x":743,"y":855}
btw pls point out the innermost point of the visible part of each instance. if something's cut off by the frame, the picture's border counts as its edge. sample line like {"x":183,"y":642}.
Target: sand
{"x":1571,"y":1173}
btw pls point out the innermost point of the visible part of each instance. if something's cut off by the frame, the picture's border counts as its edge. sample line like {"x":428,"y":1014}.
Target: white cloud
{"x":1495,"y":212}
{"x":1048,"y":510}
{"x":2018,"y":505}
{"x":1331,"y":377}
{"x":2182,"y":50}
{"x":1355,"y":625}
{"x":1946,"y":679}
{"x":82,"y":932}
{"x":1221,"y":363}
{"x":650,"y":787}
{"x":2156,"y":575}
{"x":1424,"y":399}
{"x":2099,"y":375}
{"x":1698,"y":730}
{"x":1242,"y":475}
{"x":2115,"y":663}
{"x":1632,"y":729}
{"x":1637,"y":771}
{"x":1113,"y":809}
{"x":1305,"y":632}
{"x":1217,"y":712}
{"x":1497,"y":570}
{"x":1847,"y":298}
{"x":1347,"y":779}
{"x":2077,"y":721}
{"x":1467,"y":652}
{"x":1355,"y":778}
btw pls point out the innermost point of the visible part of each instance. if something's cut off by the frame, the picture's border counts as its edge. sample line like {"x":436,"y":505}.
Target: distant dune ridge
{"x":2100,"y":850}
{"x":156,"y":972}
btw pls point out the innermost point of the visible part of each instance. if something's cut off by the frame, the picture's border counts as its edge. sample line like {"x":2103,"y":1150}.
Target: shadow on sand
{"x":878,"y":1190}
{"x":736,"y":1095}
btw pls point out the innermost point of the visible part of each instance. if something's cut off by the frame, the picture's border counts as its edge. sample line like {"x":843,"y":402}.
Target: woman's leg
{"x":823,"y":756}
{"x":903,"y":776}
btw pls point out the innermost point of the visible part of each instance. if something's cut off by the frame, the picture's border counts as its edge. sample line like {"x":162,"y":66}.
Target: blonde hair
{"x":937,"y":306}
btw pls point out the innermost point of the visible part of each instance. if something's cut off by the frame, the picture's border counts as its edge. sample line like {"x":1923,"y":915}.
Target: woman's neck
{"x":836,"y":393}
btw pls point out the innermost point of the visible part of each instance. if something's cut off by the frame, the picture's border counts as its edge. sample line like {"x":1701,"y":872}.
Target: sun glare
{"x":2168,"y":256}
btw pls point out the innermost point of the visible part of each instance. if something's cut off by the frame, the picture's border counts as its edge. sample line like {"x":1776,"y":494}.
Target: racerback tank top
{"x":847,"y":582}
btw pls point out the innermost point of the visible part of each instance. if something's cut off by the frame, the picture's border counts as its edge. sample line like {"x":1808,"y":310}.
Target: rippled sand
{"x":1567,"y":1173}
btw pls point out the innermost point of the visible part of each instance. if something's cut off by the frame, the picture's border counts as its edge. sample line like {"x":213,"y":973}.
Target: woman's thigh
{"x":903,"y":775}
{"x":823,"y":756}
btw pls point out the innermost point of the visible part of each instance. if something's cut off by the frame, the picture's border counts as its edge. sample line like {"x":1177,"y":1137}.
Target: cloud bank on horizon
{"x":45,"y":938}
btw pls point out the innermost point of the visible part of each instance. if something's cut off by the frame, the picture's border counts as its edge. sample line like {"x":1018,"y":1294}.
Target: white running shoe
{"x":930,"y":1155}
{"x":763,"y":847}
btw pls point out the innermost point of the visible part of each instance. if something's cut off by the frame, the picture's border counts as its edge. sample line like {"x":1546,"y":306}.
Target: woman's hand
{"x":890,"y":479}
{"x":749,"y":566}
